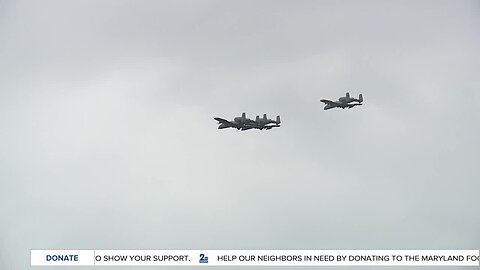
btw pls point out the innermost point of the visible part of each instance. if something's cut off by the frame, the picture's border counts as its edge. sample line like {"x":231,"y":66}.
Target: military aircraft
{"x":343,"y":102}
{"x":238,"y":122}
{"x":263,"y":123}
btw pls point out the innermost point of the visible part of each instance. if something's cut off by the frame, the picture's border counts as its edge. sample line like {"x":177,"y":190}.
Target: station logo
{"x":203,"y":258}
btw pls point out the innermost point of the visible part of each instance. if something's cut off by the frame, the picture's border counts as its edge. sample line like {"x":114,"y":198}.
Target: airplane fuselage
{"x":340,"y":105}
{"x":244,"y":123}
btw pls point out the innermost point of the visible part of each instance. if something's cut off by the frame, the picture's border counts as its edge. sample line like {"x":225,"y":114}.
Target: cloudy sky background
{"x":107,"y":137}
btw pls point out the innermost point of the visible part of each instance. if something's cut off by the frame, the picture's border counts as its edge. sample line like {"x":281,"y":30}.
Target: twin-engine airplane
{"x":343,"y":102}
{"x":244,"y":123}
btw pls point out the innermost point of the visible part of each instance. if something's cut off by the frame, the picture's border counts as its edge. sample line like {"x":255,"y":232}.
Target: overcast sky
{"x":107,"y":137}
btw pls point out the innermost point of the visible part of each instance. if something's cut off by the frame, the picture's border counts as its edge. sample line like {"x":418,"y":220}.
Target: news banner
{"x":255,"y":257}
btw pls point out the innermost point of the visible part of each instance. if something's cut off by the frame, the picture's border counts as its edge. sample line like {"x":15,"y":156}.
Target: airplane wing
{"x":247,"y":128}
{"x":250,"y":125}
{"x":269,"y":127}
{"x":221,"y":120}
{"x":328,"y":102}
{"x":353,"y":105}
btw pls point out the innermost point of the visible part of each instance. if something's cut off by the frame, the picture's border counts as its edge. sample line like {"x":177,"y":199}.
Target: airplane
{"x":263,"y":123}
{"x":343,"y":102}
{"x":238,"y":122}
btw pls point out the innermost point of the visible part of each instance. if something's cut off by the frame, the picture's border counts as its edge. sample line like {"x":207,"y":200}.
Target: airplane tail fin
{"x":360,"y":98}
{"x":278,"y":119}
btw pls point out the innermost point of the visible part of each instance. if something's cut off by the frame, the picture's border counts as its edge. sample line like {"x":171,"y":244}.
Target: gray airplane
{"x":264,"y":123}
{"x":343,"y":102}
{"x":239,"y":123}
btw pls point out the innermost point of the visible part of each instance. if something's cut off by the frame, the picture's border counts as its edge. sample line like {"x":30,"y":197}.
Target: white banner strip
{"x":62,"y":257}
{"x":255,"y":257}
